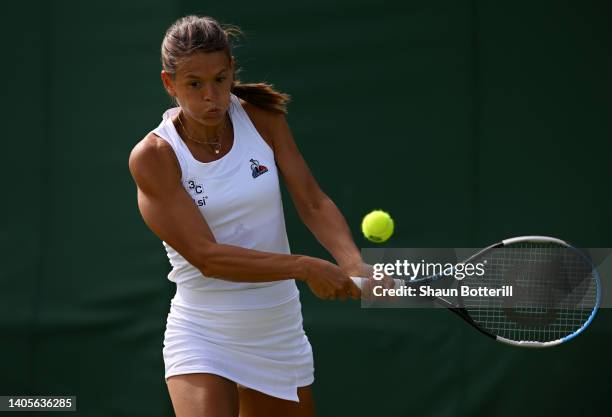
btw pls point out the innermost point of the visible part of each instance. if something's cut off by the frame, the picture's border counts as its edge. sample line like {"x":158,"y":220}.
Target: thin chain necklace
{"x":215,"y":145}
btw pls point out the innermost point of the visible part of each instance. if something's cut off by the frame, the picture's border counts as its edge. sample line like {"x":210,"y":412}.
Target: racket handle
{"x":359,"y":282}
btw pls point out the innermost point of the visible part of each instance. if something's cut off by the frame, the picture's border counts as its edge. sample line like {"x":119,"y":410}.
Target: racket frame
{"x":462,"y":312}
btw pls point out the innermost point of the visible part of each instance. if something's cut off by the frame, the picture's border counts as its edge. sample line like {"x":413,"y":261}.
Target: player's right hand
{"x":328,"y":282}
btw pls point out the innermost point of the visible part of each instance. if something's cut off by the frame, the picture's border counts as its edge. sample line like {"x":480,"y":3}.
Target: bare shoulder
{"x":267,"y":123}
{"x":153,"y":159}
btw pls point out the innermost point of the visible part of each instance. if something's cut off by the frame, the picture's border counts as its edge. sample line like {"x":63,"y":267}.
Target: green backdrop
{"x":470,"y":121}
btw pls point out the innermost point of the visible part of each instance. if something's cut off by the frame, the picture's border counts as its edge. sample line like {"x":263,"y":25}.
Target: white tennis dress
{"x":250,"y":333}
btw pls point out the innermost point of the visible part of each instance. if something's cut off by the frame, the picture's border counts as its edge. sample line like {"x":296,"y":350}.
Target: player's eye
{"x":221,"y":79}
{"x":195,"y":84}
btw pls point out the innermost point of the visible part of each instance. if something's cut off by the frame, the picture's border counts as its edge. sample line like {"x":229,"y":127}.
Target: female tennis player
{"x":208,"y":187}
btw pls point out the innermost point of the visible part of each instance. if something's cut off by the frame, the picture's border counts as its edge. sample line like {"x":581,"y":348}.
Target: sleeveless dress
{"x":250,"y":333}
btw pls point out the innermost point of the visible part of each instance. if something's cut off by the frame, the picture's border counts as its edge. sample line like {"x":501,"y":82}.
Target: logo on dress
{"x":197,"y":192}
{"x":257,"y":169}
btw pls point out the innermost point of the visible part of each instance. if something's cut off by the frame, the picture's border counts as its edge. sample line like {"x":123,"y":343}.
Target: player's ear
{"x":168,"y":83}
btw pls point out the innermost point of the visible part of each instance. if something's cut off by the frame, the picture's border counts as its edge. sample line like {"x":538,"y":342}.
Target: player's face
{"x":202,"y":83}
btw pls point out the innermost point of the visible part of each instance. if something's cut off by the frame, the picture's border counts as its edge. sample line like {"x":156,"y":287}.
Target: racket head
{"x":556,"y":292}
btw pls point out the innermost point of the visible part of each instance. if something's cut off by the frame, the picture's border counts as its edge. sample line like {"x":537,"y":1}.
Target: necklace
{"x":215,"y":145}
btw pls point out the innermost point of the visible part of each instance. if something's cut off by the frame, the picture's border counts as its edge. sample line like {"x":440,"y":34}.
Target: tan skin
{"x":203,"y":81}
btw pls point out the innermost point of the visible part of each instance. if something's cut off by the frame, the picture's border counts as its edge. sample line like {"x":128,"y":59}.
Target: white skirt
{"x":265,"y":349}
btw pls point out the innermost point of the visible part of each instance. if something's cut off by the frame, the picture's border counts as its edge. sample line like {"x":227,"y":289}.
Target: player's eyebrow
{"x":191,"y":75}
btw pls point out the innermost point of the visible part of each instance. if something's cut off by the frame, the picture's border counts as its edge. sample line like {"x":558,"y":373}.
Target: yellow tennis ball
{"x":377,"y":226}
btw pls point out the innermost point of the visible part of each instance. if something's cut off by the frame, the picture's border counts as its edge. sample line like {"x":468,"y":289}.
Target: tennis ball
{"x":377,"y":226}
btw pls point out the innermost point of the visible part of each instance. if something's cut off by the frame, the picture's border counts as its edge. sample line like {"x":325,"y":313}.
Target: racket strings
{"x":554,"y":293}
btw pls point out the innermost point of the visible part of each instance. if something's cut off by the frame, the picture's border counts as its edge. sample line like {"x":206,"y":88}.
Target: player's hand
{"x":368,"y":284}
{"x":329,"y":282}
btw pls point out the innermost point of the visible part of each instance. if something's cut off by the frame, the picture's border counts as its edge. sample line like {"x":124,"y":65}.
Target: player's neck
{"x":200,"y":131}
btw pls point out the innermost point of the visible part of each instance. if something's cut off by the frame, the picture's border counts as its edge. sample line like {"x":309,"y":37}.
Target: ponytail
{"x":262,"y":95}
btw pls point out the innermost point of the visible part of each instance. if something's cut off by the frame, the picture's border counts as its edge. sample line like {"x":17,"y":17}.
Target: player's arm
{"x":171,"y":214}
{"x":315,"y":208}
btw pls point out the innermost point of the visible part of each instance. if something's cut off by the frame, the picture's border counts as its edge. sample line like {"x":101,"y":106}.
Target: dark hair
{"x":192,"y":34}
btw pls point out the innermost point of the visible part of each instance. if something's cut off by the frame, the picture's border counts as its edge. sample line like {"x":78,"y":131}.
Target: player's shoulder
{"x":264,"y":116}
{"x":149,"y":149}
{"x":151,"y":155}
{"x":266,"y":122}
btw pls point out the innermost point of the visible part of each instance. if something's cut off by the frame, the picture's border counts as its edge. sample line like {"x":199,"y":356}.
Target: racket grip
{"x":359,"y":282}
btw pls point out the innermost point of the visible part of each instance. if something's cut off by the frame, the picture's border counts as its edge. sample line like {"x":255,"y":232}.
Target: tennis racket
{"x":557,"y":291}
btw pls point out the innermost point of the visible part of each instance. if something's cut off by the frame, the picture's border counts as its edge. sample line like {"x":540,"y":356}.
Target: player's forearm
{"x":234,"y":263}
{"x":328,"y":225}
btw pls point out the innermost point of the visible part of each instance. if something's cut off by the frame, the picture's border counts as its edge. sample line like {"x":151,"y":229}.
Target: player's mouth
{"x":212,"y":113}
